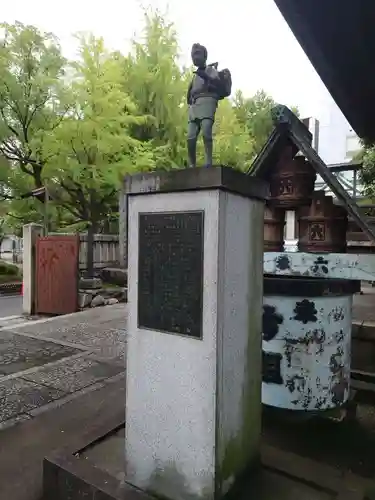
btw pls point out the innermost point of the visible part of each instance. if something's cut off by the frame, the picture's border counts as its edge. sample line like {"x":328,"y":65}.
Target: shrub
{"x":8,"y":269}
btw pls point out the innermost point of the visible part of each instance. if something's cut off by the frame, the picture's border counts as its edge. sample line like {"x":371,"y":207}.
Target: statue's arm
{"x":206,"y":77}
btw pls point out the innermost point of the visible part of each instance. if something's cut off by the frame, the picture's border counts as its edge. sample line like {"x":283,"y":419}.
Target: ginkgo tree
{"x":154,"y":77}
{"x":254,"y":114}
{"x":32,"y":104}
{"x":76,"y":128}
{"x":32,"y":100}
{"x":91,"y":150}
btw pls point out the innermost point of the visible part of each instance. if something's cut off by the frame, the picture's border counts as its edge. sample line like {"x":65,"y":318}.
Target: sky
{"x":250,"y":37}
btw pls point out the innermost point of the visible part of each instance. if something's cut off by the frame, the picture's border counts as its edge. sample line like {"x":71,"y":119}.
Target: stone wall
{"x":93,"y":292}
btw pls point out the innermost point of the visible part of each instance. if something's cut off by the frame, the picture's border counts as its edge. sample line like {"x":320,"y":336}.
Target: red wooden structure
{"x":57,"y":264}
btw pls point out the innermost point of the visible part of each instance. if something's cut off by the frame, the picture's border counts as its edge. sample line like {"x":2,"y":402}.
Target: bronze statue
{"x":207,"y":87}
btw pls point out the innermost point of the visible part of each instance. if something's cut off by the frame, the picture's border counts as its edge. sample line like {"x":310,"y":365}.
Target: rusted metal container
{"x":306,"y":342}
{"x":322,"y":226}
{"x":274,"y":222}
{"x":292,"y":182}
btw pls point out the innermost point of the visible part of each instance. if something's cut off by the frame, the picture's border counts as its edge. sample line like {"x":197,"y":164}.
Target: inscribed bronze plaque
{"x":170,"y":272}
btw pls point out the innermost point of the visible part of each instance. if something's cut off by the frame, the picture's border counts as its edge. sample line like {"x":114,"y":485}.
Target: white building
{"x":338,"y":143}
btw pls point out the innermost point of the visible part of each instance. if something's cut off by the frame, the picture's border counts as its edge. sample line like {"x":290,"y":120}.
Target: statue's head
{"x":199,"y":55}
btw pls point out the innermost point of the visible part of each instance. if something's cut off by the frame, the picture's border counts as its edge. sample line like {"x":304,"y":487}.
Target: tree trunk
{"x":90,"y":251}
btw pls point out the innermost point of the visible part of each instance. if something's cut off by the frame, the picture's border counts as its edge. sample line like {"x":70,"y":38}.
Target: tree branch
{"x":77,"y":194}
{"x":12,"y":129}
{"x":32,"y":114}
{"x":74,"y":212}
{"x":16,"y":110}
{"x":16,"y":217}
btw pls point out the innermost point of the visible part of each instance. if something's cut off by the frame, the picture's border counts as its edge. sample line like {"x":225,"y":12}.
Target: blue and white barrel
{"x":306,"y":342}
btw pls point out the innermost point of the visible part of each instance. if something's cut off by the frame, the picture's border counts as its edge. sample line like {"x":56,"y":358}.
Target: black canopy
{"x":338,"y":37}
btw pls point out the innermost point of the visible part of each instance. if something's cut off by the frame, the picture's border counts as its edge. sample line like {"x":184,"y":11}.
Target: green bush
{"x":8,"y":269}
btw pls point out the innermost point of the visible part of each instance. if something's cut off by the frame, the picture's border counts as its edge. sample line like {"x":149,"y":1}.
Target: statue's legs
{"x":193,"y":132}
{"x":207,"y":125}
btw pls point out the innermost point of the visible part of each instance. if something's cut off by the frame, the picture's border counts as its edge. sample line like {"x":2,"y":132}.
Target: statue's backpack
{"x":226,"y":83}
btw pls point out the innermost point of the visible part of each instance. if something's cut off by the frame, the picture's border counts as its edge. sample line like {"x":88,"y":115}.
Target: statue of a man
{"x":207,"y":87}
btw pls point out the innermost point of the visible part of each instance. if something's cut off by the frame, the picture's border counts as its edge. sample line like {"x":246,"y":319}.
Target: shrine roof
{"x":339,"y":39}
{"x":290,"y":131}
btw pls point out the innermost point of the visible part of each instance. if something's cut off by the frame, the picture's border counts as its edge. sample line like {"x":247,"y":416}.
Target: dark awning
{"x":338,"y":37}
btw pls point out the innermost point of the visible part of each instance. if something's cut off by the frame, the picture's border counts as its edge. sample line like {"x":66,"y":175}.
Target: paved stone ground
{"x":18,"y":353}
{"x":10,"y":305}
{"x":108,"y":455}
{"x":45,"y":364}
{"x":49,"y":361}
{"x":23,"y":447}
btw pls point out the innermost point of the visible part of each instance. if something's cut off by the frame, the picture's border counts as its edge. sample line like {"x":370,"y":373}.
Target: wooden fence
{"x":106,"y":251}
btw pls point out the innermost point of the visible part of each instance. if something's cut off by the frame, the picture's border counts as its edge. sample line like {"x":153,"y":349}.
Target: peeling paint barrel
{"x":306,"y":342}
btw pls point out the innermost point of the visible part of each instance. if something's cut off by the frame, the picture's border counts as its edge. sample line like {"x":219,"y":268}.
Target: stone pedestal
{"x":193,"y":405}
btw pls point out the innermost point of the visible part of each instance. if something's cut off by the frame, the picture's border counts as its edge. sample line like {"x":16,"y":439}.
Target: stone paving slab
{"x":80,"y":351}
{"x":73,"y":375}
{"x":18,"y":353}
{"x":108,"y":455}
{"x":105,"y":342}
{"x":24,"y":446}
{"x":102,"y":330}
{"x":19,"y":396}
{"x":108,"y":317}
{"x":273,"y":485}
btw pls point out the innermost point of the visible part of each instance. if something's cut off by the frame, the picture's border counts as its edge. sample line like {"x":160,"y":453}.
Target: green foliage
{"x":32,"y":104}
{"x":254,"y":114}
{"x":233,"y":145}
{"x":79,"y":127}
{"x":91,"y":149}
{"x":31,"y":100}
{"x":8,"y":269}
{"x":368,"y":170}
{"x":158,"y":85}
